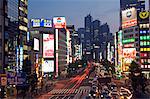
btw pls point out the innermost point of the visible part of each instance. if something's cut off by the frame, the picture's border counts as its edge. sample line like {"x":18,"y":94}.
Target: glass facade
{"x":11,"y":32}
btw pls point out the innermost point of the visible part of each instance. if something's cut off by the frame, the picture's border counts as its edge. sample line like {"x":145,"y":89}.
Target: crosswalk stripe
{"x":64,"y":91}
{"x":76,"y":91}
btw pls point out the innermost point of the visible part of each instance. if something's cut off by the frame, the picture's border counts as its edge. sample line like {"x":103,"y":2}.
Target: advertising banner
{"x":48,"y":45}
{"x":59,"y":22}
{"x":48,"y":66}
{"x":36,"y":44}
{"x":41,"y":23}
{"x":129,"y":54}
{"x":129,"y":18}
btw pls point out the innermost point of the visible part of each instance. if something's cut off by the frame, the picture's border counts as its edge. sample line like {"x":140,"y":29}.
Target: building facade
{"x":133,"y":34}
{"x":9,"y":33}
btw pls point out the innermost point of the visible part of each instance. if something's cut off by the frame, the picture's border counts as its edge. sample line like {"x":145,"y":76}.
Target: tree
{"x":136,"y":76}
{"x":109,"y":66}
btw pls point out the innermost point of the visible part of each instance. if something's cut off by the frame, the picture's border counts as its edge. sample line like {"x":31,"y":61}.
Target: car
{"x":95,"y":88}
{"x":92,"y":94}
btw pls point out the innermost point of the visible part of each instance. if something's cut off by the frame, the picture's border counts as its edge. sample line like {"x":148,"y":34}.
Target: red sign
{"x":59,"y":22}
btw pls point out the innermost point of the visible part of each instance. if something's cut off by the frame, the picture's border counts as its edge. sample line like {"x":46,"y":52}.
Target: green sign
{"x":129,"y":40}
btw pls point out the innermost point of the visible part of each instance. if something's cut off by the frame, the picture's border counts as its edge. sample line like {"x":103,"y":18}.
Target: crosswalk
{"x":65,"y":91}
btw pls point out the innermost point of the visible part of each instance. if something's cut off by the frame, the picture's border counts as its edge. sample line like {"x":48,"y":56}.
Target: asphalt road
{"x":75,"y":88}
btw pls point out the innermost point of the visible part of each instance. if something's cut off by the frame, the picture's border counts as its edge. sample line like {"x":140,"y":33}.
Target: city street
{"x":76,"y":87}
{"x":74,"y":49}
{"x":79,"y":87}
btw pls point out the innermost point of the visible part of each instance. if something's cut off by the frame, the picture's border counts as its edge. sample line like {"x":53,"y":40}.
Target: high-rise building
{"x":81,"y":36}
{"x":96,"y":40}
{"x":129,"y":19}
{"x":71,"y":29}
{"x":23,"y":29}
{"x":104,"y":31}
{"x":88,"y":25}
{"x":52,"y":48}
{"x":8,"y":33}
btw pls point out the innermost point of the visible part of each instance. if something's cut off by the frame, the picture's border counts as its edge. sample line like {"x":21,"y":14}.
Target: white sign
{"x":36,"y":44}
{"x":48,"y":45}
{"x":48,"y":66}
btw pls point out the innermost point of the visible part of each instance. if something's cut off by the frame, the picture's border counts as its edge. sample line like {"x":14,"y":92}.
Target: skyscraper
{"x":8,"y":33}
{"x":95,"y":34}
{"x":23,"y":29}
{"x":88,"y":22}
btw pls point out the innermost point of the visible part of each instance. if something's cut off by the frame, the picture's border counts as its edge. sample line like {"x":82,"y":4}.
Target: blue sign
{"x":41,"y":22}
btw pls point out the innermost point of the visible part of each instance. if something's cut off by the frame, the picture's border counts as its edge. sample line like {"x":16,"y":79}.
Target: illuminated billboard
{"x":35,"y":22}
{"x":48,"y":45}
{"x":120,"y":45}
{"x":129,"y":54}
{"x":46,"y":23}
{"x":41,"y":23}
{"x":48,"y":66}
{"x":36,"y":44}
{"x":144,"y":17}
{"x":129,"y":17}
{"x":59,"y":22}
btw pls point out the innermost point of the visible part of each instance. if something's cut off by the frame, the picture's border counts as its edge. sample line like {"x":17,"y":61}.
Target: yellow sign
{"x":144,"y":15}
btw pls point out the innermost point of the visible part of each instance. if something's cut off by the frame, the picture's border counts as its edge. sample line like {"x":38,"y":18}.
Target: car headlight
{"x":89,"y":94}
{"x":121,"y":93}
{"x":94,"y":94}
{"x":102,"y":96}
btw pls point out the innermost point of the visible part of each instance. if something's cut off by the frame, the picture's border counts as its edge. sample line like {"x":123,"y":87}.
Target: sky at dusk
{"x":76,"y":10}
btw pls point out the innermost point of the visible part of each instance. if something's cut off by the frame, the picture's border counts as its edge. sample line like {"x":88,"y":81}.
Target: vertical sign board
{"x":56,"y":32}
{"x":17,"y":59}
{"x":36,"y":44}
{"x":48,"y":45}
{"x":129,"y":54}
{"x":21,"y":58}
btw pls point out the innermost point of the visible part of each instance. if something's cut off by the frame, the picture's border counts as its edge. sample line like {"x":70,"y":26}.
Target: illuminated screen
{"x":41,"y":23}
{"x":129,"y":18}
{"x":36,"y":44}
{"x":48,"y":66}
{"x":35,"y":22}
{"x":46,"y":23}
{"x":48,"y":45}
{"x":59,"y":22}
{"x":129,"y":54}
